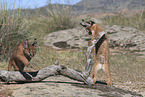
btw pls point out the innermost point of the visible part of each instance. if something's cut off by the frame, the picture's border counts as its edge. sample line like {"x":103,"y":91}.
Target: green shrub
{"x":57,"y":17}
{"x":61,"y":17}
{"x":12,"y":30}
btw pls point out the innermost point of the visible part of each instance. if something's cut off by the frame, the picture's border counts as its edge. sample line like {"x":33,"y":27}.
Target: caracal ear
{"x":83,"y":20}
{"x":26,"y":44}
{"x":83,"y":23}
{"x":34,"y":43}
{"x":92,"y":22}
{"x":87,"y":24}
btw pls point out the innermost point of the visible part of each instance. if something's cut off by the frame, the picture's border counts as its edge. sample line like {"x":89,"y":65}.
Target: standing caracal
{"x":102,"y":49}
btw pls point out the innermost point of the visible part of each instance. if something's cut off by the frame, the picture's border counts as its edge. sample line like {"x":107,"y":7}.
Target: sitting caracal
{"x":22,"y":54}
{"x":102,"y":49}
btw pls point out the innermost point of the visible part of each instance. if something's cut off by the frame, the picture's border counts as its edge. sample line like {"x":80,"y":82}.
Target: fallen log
{"x":52,"y":70}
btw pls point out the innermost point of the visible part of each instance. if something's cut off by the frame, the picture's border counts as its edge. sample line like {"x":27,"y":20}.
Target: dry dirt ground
{"x":58,"y":86}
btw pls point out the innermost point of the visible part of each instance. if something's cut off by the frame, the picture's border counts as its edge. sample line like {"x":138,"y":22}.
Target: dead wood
{"x":52,"y":70}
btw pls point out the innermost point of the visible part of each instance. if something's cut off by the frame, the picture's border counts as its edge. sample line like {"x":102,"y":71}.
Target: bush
{"x":136,"y":21}
{"x":12,"y":30}
{"x":56,"y":17}
{"x":15,"y":26}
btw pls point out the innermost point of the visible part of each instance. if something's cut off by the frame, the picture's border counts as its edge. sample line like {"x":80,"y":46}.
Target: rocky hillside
{"x":93,"y":6}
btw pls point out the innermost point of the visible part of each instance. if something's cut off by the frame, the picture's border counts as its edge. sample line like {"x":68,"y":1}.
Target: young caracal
{"x":22,"y":54}
{"x":102,"y":49}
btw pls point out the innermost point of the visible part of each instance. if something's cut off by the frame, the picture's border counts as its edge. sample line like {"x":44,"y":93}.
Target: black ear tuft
{"x":34,"y":43}
{"x":83,"y":25}
{"x":92,"y":22}
{"x":26,"y":44}
{"x":35,"y":39}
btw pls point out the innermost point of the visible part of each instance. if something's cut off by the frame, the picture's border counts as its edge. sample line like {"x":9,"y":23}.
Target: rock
{"x":71,"y":38}
{"x":118,"y":36}
{"x":125,"y":37}
{"x":64,"y":87}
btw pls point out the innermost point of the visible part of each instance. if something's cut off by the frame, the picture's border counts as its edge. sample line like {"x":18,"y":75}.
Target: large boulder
{"x":70,"y":38}
{"x":126,"y":37}
{"x":119,"y":36}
